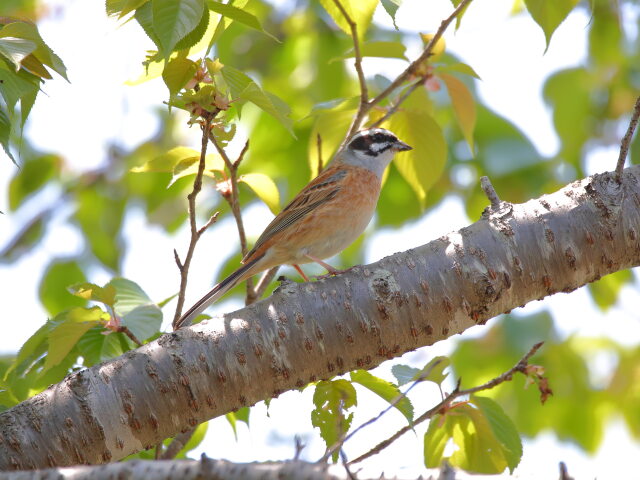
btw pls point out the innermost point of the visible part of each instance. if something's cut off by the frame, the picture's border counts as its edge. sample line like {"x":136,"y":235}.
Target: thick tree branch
{"x":311,"y":331}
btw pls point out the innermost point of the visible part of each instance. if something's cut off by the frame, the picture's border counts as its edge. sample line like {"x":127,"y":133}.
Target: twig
{"x":344,"y":438}
{"x":130,"y":334}
{"x":264,"y":282}
{"x":177,"y":444}
{"x":233,"y":201}
{"x":364,"y":92}
{"x":395,"y":107}
{"x":490,"y":192}
{"x":506,"y":376}
{"x":410,"y":70}
{"x":626,"y":140}
{"x":183,"y":267}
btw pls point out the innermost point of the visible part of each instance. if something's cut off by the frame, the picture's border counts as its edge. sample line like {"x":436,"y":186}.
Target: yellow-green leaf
{"x":189,"y":166}
{"x":332,"y":128}
{"x":464,"y":106}
{"x":422,"y":166}
{"x":386,"y":390}
{"x":177,"y":73}
{"x":172,"y":20}
{"x":168,"y":161}
{"x":360,"y":11}
{"x":63,"y":337}
{"x":265,"y":188}
{"x":377,"y":49}
{"x":549,"y":14}
{"x":16,"y":50}
{"x":605,"y":291}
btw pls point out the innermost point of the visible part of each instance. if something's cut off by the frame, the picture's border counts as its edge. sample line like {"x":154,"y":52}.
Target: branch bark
{"x":311,"y":331}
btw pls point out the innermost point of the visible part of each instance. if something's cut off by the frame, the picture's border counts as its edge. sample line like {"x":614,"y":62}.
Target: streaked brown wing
{"x":322,"y":189}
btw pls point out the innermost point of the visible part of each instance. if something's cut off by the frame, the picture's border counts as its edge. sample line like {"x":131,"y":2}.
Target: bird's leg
{"x":332,"y":271}
{"x":297,"y":267}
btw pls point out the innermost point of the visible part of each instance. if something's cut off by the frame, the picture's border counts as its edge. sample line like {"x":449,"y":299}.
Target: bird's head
{"x":373,"y":149}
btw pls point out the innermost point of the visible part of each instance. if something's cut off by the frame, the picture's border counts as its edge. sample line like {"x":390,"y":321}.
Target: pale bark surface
{"x":306,"y":332}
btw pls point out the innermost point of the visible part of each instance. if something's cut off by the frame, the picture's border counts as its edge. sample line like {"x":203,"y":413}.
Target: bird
{"x":323,"y":219}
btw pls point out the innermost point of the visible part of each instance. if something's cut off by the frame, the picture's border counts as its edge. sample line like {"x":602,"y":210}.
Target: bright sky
{"x":81,"y":118}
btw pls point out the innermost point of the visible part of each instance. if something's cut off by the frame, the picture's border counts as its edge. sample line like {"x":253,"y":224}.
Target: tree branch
{"x":626,"y":140}
{"x":312,"y":331}
{"x":505,"y":377}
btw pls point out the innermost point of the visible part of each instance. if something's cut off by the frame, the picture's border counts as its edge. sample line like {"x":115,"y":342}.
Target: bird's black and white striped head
{"x":373,"y":149}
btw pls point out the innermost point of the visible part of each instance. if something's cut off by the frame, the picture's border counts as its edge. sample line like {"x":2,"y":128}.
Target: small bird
{"x":323,"y":219}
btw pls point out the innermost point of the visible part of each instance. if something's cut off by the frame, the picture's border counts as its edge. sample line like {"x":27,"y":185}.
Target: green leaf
{"x":240,"y":415}
{"x":195,"y":440}
{"x":435,"y":440}
{"x":194,"y":41}
{"x":377,"y":49}
{"x":189,"y":166}
{"x":167,"y":161}
{"x":177,"y":73}
{"x":331,"y":399}
{"x":95,"y":347}
{"x":173,"y":20}
{"x":503,"y":429}
{"x":431,"y":372}
{"x":549,"y":14}
{"x":332,"y":128}
{"x":391,"y":7}
{"x":605,"y":291}
{"x":5,"y":134}
{"x":57,"y":276}
{"x":458,"y":67}
{"x":135,"y":308}
{"x":73,"y":324}
{"x":91,"y":291}
{"x":16,"y":50}
{"x":422,"y":166}
{"x":464,"y":106}
{"x":360,"y":11}
{"x":387,"y":390}
{"x":14,"y":86}
{"x":28,"y":31}
{"x":129,"y":6}
{"x":238,"y":15}
{"x":25,"y":239}
{"x":264,"y":188}
{"x":35,"y":174}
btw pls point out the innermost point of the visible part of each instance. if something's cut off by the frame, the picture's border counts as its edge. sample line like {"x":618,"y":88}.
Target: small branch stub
{"x":626,"y":140}
{"x":490,"y":192}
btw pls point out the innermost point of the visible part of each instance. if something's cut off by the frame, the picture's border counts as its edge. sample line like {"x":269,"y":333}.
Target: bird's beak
{"x":401,"y":146}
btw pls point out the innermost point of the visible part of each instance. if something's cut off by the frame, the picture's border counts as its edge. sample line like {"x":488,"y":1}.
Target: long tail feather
{"x":216,"y":292}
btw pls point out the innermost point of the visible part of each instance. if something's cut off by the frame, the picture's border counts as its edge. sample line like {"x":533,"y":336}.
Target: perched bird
{"x":323,"y":219}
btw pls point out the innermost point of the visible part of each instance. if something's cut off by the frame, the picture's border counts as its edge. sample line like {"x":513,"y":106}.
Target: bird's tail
{"x":216,"y":292}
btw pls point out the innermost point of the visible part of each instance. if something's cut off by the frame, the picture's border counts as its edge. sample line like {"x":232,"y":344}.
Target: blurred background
{"x":546,"y":115}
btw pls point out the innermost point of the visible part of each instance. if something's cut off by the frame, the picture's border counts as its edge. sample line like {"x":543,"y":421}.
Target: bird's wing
{"x":319,"y":191}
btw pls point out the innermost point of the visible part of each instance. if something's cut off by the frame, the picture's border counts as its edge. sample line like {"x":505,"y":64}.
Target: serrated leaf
{"x":503,"y":428}
{"x":177,"y":73}
{"x":5,"y":134}
{"x":386,"y":390}
{"x":63,"y":337}
{"x":549,"y":14}
{"x":16,"y":50}
{"x":128,"y":295}
{"x":239,"y":15}
{"x":128,"y":6}
{"x":377,"y":49}
{"x":42,"y":52}
{"x":15,"y":85}
{"x":422,"y":166}
{"x":331,"y":398}
{"x":91,"y":291}
{"x":360,"y":11}
{"x":143,"y":321}
{"x":391,"y":7}
{"x":265,"y":188}
{"x":173,"y":20}
{"x":464,"y":106}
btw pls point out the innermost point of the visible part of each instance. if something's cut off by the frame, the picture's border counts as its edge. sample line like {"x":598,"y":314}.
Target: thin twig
{"x":195,"y":233}
{"x":344,"y":438}
{"x":626,"y":140}
{"x":506,"y":376}
{"x":264,"y":281}
{"x":410,"y":70}
{"x":364,"y":92}
{"x":177,"y":444}
{"x":490,"y":192}
{"x":234,"y":202}
{"x":395,"y":106}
